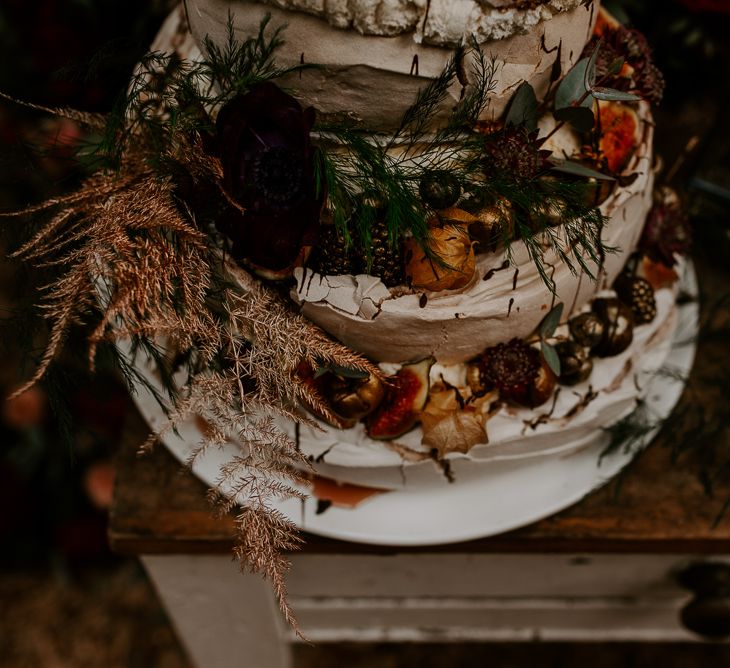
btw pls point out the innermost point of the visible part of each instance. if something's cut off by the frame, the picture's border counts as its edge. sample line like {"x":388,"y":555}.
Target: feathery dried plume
{"x":89,"y":120}
{"x":132,"y":260}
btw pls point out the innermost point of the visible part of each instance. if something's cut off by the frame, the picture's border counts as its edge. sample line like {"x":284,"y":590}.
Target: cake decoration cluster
{"x":215,"y":186}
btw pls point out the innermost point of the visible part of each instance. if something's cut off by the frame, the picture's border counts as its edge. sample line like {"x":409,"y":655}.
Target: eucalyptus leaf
{"x":581,"y":118}
{"x":523,"y":107}
{"x":616,"y":65}
{"x":575,"y":168}
{"x":344,"y":371}
{"x":572,"y":89}
{"x":613,"y":95}
{"x":589,"y":80}
{"x":551,"y":321}
{"x":550,"y":355}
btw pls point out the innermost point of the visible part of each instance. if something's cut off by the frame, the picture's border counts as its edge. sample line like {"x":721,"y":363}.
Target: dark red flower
{"x":263,"y":142}
{"x":639,"y":71}
{"x":512,"y":368}
{"x":667,"y":232}
{"x":515,"y":153}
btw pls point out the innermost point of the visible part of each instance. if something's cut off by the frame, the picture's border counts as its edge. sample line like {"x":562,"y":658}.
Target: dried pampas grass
{"x":132,"y":262}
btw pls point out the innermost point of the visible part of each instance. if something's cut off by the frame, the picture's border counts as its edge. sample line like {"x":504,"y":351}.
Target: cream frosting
{"x":437,"y":22}
{"x":359,"y":69}
{"x":558,"y":427}
{"x":356,"y":73}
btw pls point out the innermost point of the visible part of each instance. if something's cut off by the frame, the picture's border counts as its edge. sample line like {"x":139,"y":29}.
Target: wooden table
{"x":605,"y":568}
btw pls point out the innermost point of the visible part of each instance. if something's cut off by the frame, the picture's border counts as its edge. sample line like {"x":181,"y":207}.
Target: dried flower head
{"x":511,"y":368}
{"x":514,"y":152}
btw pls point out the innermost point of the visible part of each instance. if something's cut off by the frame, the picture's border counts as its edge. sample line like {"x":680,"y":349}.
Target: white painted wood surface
{"x":228,"y":619}
{"x":223,"y":618}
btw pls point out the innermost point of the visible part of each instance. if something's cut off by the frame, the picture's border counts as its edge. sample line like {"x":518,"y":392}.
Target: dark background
{"x":65,"y":600}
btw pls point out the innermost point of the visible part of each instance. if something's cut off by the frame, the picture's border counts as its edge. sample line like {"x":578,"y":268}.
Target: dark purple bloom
{"x":667,"y":232}
{"x":263,"y":142}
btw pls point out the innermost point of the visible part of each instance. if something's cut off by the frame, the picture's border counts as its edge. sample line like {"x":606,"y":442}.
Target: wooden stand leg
{"x":223,"y":618}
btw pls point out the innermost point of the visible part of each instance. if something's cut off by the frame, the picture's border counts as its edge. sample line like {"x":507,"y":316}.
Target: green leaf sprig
{"x":546,"y":329}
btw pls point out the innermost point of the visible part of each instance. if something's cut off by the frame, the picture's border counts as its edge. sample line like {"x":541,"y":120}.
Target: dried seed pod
{"x":575,"y":363}
{"x":638,"y":293}
{"x":618,"y":326}
{"x":586,"y":329}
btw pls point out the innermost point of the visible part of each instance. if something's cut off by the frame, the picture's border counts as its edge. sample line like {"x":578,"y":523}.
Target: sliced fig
{"x":605,"y":23}
{"x":619,"y":134}
{"x":405,"y":398}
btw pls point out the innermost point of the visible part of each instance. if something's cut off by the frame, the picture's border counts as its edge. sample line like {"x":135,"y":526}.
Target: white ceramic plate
{"x":487,"y":498}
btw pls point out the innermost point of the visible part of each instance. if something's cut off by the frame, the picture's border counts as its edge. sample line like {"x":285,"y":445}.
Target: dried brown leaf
{"x":455,"y":423}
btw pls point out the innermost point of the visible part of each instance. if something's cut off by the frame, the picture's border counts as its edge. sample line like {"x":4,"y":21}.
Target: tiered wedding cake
{"x":487,"y":351}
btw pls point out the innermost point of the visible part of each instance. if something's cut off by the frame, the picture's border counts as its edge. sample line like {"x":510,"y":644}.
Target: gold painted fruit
{"x":542,"y":387}
{"x":575,"y":363}
{"x":492,"y":226}
{"x":618,"y":326}
{"x":353,"y":399}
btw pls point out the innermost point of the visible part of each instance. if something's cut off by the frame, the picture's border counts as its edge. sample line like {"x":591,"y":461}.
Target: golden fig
{"x":353,"y":399}
{"x":575,"y":363}
{"x":548,"y":212}
{"x":542,"y":386}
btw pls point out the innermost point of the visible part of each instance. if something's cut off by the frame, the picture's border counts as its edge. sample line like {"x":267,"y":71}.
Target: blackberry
{"x":333,"y":256}
{"x":639,"y":295}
